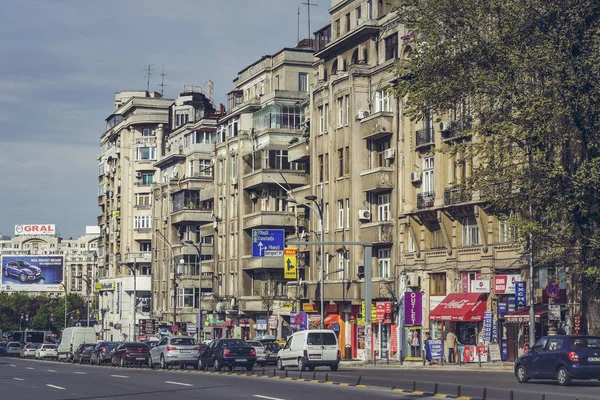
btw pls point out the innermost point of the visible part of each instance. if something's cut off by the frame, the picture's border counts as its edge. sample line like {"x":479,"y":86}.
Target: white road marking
{"x":18,"y":379}
{"x":266,"y":397}
{"x":81,"y":373}
{"x":51,"y":370}
{"x":55,"y":387}
{"x":30,"y":368}
{"x":120,"y":376}
{"x":12,"y":365}
{"x":178,"y":383}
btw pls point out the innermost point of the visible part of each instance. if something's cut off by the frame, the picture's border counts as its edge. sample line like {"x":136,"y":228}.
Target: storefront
{"x":461,"y":317}
{"x":413,"y":329}
{"x":517,"y":329}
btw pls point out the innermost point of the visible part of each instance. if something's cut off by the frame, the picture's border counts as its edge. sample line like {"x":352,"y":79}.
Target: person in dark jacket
{"x":428,"y":348}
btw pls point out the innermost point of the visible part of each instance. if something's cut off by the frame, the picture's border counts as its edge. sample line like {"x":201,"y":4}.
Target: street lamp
{"x":319,"y":211}
{"x":88,"y":283}
{"x":199,"y":252}
{"x":132,"y":269}
{"x":64,"y":285}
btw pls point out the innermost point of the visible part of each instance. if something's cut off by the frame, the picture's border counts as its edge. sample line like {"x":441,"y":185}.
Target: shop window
{"x":437,"y":284}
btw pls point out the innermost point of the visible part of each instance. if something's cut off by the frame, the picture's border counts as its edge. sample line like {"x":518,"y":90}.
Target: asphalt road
{"x":46,"y":380}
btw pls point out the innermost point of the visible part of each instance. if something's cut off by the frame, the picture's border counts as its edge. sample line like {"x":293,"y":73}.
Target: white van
{"x":71,"y":339}
{"x":310,"y":349}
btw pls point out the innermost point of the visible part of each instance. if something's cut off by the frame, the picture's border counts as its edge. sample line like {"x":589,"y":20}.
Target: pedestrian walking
{"x":428,"y":348}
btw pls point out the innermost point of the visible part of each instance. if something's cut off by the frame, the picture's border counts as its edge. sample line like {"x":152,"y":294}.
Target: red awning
{"x":522,"y":315}
{"x":332,"y":319}
{"x":460,"y":307}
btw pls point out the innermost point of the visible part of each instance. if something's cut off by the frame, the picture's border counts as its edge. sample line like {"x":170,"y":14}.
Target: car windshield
{"x":322,"y":338}
{"x":183,"y":341}
{"x":23,"y":264}
{"x":586,"y":343}
{"x":255,"y":344}
{"x":89,"y":347}
{"x":50,"y":346}
{"x":272,"y":346}
{"x":136,"y":346}
{"x":233,"y":342}
{"x":14,"y":344}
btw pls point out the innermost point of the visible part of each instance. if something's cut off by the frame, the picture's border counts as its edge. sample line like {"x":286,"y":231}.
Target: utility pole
{"x":308,"y":4}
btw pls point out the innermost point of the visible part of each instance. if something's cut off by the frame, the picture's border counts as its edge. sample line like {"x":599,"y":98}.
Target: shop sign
{"x":228,"y":322}
{"x":495,"y":331}
{"x":505,"y":284}
{"x":494,"y":350}
{"x":107,"y":286}
{"x":435,"y":301}
{"x":190,"y":327}
{"x":576,"y":324}
{"x":554,"y":312}
{"x":520,"y":295}
{"x":504,"y":350}
{"x":309,"y":307}
{"x":394,"y":339}
{"x":331,"y":308}
{"x":298,"y":321}
{"x":117,"y":307}
{"x":314,"y":321}
{"x":480,"y":286}
{"x":373,"y":311}
{"x":261,"y":324}
{"x":502,"y":307}
{"x":487,"y":326}
{"x":243,"y":321}
{"x":273,"y":322}
{"x":413,"y":308}
{"x":215,"y":323}
{"x":352,"y":321}
{"x":388,"y":312}
{"x":379,"y":312}
{"x":436,"y":349}
{"x":511,"y":305}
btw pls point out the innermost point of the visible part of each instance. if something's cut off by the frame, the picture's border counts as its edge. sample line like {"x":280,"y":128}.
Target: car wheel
{"x":218,"y":365}
{"x":563,"y":377}
{"x":522,"y":374}
{"x":163,"y":364}
{"x":280,"y":364}
{"x":334,"y":367}
{"x":182,"y":366}
{"x":122,"y":362}
{"x":201,"y":365}
{"x":22,"y":277}
{"x":98,"y":361}
{"x":301,"y":366}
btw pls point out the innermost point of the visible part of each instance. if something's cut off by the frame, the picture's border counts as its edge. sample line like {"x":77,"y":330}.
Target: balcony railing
{"x":456,"y":195}
{"x":424,"y":137}
{"x":456,"y":128}
{"x":425,"y":200}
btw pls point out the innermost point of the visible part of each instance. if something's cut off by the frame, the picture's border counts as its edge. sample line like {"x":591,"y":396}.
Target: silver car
{"x":175,"y":350}
{"x":13,"y":349}
{"x":29,"y":350}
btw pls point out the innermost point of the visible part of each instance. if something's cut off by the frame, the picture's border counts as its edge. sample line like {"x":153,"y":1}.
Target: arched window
{"x":354,"y":59}
{"x":334,"y":68}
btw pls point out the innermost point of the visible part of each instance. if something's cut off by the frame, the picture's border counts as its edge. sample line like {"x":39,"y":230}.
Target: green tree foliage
{"x":526,"y":74}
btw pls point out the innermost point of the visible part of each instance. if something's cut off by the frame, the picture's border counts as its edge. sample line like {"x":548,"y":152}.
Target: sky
{"x":61,"y":61}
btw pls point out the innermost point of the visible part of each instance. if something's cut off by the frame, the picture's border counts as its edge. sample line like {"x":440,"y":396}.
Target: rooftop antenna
{"x":308,"y":5}
{"x":162,"y":82}
{"x":148,"y":75}
{"x":298,"y":34}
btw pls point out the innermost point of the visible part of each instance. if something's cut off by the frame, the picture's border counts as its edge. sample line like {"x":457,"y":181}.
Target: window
{"x":234,"y":206}
{"x":221,"y":171}
{"x":146,"y":179}
{"x":148,"y":132}
{"x":507,"y":232}
{"x":391,"y":47}
{"x":384,"y":262}
{"x":326,"y":216}
{"x":280,"y":197}
{"x":347,"y":99}
{"x":233,"y":165}
{"x":185,"y":297}
{"x":145,"y":153}
{"x":201,"y":137}
{"x":340,"y":163}
{"x":340,"y":214}
{"x":143,"y":200}
{"x":205,"y":167}
{"x":326,"y":112}
{"x":383,"y":207}
{"x":358,"y":14}
{"x":382,"y":100}
{"x":278,"y":159}
{"x":142,"y":222}
{"x":232,"y":127}
{"x":380,"y":147}
{"x":411,"y":243}
{"x":337,"y":28}
{"x":222,"y":133}
{"x":321,"y":168}
{"x":262,"y":87}
{"x":347,"y":213}
{"x":343,"y":266}
{"x":321,"y":120}
{"x":437,"y":239}
{"x":303,"y":82}
{"x":276,"y":82}
{"x":340,"y":104}
{"x":369,"y":9}
{"x":181,"y":119}
{"x":347,"y":160}
{"x":437,"y":284}
{"x":280,"y":116}
{"x":191,"y":168}
{"x":326,"y":167}
{"x":470,"y":231}
{"x":428,"y":181}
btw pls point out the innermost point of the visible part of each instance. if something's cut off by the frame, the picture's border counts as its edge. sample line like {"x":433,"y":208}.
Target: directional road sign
{"x":290,"y":263}
{"x":268,"y":242}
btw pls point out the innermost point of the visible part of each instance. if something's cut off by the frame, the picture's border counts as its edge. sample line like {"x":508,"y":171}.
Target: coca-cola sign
{"x":457,"y":304}
{"x":413,"y":308}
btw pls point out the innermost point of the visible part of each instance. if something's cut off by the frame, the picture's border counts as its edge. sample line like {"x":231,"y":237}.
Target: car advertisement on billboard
{"x":32,"y":272}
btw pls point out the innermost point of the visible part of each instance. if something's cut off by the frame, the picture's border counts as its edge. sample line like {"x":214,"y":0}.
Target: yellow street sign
{"x":289,"y":263}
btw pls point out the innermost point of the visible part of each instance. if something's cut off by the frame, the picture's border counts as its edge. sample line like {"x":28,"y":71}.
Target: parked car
{"x":310,"y":349}
{"x":29,"y":350}
{"x":13,"y":349}
{"x":82,"y":353}
{"x":131,"y":353}
{"x":3,"y":349}
{"x":46,"y":351}
{"x":22,"y":270}
{"x":562,"y":358}
{"x":266,"y":352}
{"x":71,"y":338}
{"x":103,"y":352}
{"x":229,"y":353}
{"x":174,"y":350}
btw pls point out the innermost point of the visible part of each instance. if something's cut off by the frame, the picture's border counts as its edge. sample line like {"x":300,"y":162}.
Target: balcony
{"x":425,"y":200}
{"x":424,"y":137}
{"x":299,"y":151}
{"x":380,"y":232}
{"x":456,"y":195}
{"x":191,"y":215}
{"x":456,"y":128}
{"x":268,"y":177}
{"x":377,"y":126}
{"x":146,"y":140}
{"x":139,"y":257}
{"x":249,"y":262}
{"x":367,"y":29}
{"x":263,"y":219}
{"x":377,"y":180}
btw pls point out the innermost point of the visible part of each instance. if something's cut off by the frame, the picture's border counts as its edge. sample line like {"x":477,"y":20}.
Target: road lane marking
{"x":178,"y":383}
{"x":30,"y":368}
{"x":12,"y":365}
{"x":18,"y":379}
{"x":266,"y":397}
{"x":81,"y":373}
{"x":120,"y":376}
{"x":55,"y":387}
{"x":51,"y":370}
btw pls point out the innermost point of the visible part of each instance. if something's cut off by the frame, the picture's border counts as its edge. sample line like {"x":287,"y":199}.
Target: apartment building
{"x":133,"y":141}
{"x":182,"y":202}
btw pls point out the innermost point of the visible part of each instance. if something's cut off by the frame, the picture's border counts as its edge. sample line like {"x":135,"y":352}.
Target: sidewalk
{"x":412,"y":365}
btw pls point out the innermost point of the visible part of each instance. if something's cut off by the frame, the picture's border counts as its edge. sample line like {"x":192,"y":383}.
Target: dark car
{"x":83,"y":352}
{"x":102,"y":353}
{"x":228,"y":353}
{"x":22,"y":270}
{"x":129,"y":353}
{"x":562,"y":358}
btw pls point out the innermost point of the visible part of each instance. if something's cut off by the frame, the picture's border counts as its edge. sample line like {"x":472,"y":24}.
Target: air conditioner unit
{"x":412,"y":279}
{"x":364,"y":215}
{"x":362,"y":114}
{"x":233,"y":181}
{"x":444,"y":126}
{"x":389,"y":153}
{"x":138,"y":175}
{"x":415,"y":177}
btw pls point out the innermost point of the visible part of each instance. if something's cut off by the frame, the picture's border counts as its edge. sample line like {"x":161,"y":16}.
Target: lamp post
{"x":88,"y":283}
{"x":132,"y":269}
{"x":319,"y":211}
{"x":200,"y":326}
{"x":64,"y":285}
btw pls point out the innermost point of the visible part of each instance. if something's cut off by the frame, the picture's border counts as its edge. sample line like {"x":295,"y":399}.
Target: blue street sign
{"x":268,"y":242}
{"x":487,"y":326}
{"x":520,"y":294}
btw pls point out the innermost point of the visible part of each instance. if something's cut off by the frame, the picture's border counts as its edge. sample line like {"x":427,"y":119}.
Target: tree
{"x":526,"y":74}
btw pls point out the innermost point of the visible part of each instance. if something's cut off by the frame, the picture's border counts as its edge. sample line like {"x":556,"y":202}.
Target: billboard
{"x":35,"y":229}
{"x":32,"y":272}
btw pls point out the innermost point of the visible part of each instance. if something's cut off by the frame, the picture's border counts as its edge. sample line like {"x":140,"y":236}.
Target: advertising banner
{"x":413,"y":308}
{"x":505,"y":284}
{"x":32,"y":272}
{"x":49,"y":229}
{"x":435,"y":349}
{"x":520,"y":294}
{"x":144,"y":303}
{"x":487,"y":326}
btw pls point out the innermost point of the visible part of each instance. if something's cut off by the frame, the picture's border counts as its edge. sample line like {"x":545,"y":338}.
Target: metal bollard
{"x":358,"y":381}
{"x":479,"y":358}
{"x":543,"y":396}
{"x":388,"y":358}
{"x":458,"y":391}
{"x":401,"y":357}
{"x":511,"y":395}
{"x":314,"y":375}
{"x":414,"y":386}
{"x":423,"y":355}
{"x":484,"y":397}
{"x":326,"y":376}
{"x":263,"y":371}
{"x":286,"y":373}
{"x":435,"y":388}
{"x":274,"y":372}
